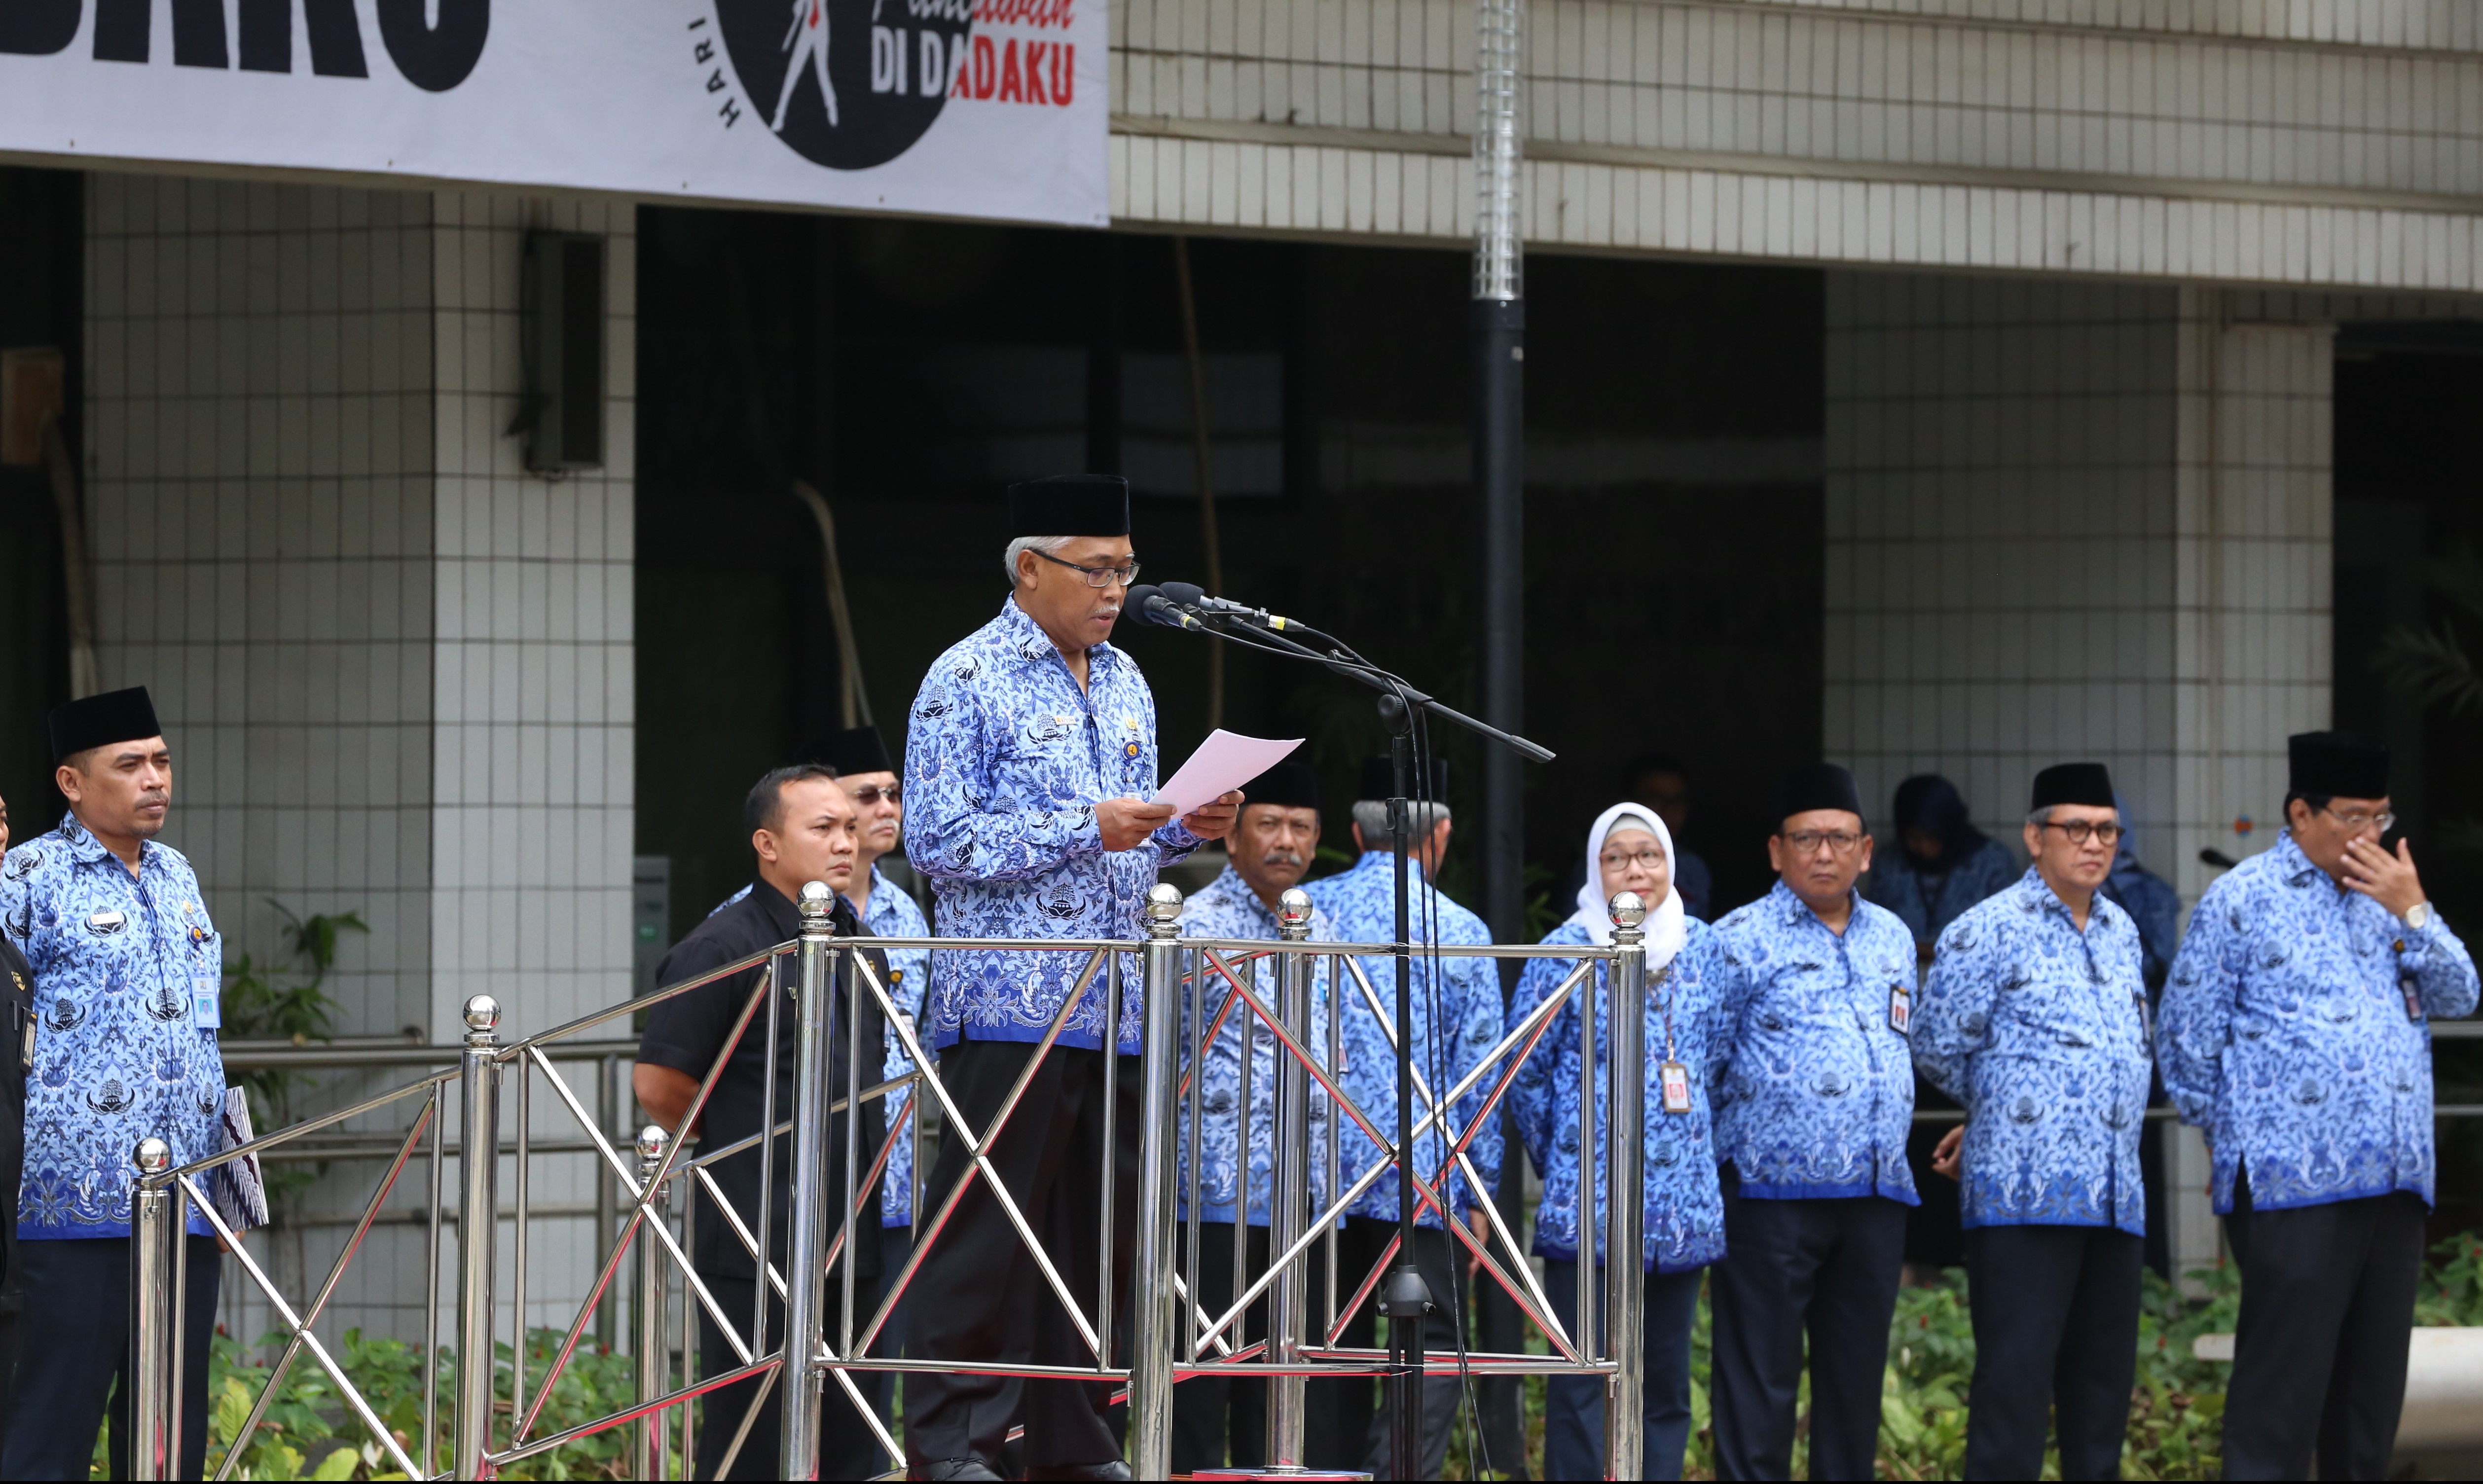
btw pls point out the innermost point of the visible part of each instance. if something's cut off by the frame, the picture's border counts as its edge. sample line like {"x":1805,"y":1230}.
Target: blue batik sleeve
{"x":1477,"y":1031}
{"x":2193,"y":1024}
{"x":1955,"y":1016}
{"x":2443,"y":972}
{"x":1529,"y":1096}
{"x":954,"y":829}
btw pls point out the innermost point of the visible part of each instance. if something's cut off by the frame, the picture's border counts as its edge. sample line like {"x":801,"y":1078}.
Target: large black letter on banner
{"x":435,"y":60}
{"x":123,"y":32}
{"x":335,"y":37}
{"x":39,"y":28}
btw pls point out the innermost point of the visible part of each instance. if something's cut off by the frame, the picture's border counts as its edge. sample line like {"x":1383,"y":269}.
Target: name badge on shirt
{"x":2413,"y":999}
{"x":106,"y":922}
{"x":1901,"y":1009}
{"x":1676,"y":1087}
{"x":206,"y":1005}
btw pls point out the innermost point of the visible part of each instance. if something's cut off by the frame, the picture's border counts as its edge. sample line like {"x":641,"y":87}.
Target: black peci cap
{"x":1818,"y":785}
{"x":1070,"y":505}
{"x":1290,"y":784}
{"x":1379,"y":780}
{"x":98,"y":721}
{"x":2337,"y":764}
{"x":854,"y":750}
{"x":2073,"y":783}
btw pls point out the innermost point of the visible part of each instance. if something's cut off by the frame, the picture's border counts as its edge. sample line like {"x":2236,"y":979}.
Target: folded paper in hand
{"x":1226,"y":760}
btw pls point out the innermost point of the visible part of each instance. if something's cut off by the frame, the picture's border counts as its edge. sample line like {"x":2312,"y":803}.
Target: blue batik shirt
{"x":1815,"y":1088}
{"x":892,"y":913}
{"x":1928,"y":904}
{"x":1227,"y":908}
{"x":1685,"y":1210}
{"x":2295,"y":1030}
{"x":2039,"y":1031}
{"x":119,"y":962}
{"x":1005,"y":759}
{"x":1458,"y":997}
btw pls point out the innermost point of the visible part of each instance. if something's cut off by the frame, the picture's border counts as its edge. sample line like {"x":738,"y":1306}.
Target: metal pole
{"x":1152,"y":1318}
{"x":797,"y":1455}
{"x":653,"y":1308}
{"x":607,"y":1195}
{"x":478,"y":1162}
{"x":1624,"y":1254}
{"x":151,"y":1313}
{"x":1499,"y":320}
{"x":1289,"y":1297}
{"x":1404,"y":1299}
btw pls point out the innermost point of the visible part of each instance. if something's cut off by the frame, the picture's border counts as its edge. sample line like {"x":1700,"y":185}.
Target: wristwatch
{"x":2418,"y":915}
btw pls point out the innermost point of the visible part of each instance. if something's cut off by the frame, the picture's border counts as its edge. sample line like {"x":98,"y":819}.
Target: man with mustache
{"x":1271,"y":847}
{"x":129,"y":981}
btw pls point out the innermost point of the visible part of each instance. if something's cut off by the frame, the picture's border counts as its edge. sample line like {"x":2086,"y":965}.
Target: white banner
{"x":968,"y":108}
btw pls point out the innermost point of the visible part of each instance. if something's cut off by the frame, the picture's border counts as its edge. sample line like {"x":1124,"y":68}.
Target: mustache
{"x":1282,"y":858}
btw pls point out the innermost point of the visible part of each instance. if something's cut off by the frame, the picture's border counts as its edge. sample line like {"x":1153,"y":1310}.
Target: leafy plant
{"x":258,"y":1008}
{"x":2435,"y":662}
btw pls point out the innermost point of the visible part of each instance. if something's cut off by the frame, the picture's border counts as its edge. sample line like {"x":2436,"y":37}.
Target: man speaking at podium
{"x":1031,"y":756}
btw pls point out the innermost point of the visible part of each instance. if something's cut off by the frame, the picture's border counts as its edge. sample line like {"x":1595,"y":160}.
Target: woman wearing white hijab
{"x":1628,"y":849}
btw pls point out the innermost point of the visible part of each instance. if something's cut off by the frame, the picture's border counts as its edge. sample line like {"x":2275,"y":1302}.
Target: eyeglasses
{"x":1646,"y":859}
{"x":2081,"y":831}
{"x":1097,"y":576}
{"x":1807,"y":841}
{"x":869,"y":798}
{"x":2357,"y":822}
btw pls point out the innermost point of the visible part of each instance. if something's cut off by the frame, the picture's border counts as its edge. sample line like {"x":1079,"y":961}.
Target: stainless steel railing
{"x":1209,"y":988}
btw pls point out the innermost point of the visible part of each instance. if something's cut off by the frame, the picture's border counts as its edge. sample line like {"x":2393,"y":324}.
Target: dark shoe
{"x":1114,"y":1470}
{"x":957,"y":1469}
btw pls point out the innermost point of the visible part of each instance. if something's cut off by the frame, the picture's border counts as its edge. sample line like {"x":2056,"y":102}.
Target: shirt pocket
{"x":1043,"y":764}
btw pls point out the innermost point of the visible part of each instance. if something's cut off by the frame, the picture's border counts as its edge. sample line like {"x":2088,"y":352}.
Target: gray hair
{"x":1371,"y":816}
{"x":1049,"y":545}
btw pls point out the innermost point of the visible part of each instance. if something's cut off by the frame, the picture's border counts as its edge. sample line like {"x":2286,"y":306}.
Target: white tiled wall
{"x":2080,"y":521}
{"x":2324,"y":144}
{"x":396,"y":669}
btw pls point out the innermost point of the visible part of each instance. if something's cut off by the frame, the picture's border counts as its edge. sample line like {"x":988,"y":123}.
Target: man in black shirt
{"x":802,"y":828}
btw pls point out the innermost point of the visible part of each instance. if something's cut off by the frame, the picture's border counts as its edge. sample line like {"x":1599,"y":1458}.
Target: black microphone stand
{"x":1406,"y":1299}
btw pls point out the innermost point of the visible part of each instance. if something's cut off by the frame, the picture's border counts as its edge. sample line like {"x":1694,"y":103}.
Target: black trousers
{"x":2319,"y":1354}
{"x":895,"y":1244}
{"x":1207,"y":1410}
{"x":1826,"y":1268}
{"x":1342,"y":1427}
{"x":980,"y":1296}
{"x":2055,"y":1344}
{"x":846,"y":1448}
{"x":78,"y":1301}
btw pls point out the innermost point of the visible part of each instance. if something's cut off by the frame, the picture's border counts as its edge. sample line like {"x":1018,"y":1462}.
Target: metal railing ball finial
{"x":817,"y":901}
{"x":482,"y":1015}
{"x":1163,"y":903}
{"x":1629,"y":910}
{"x":153,"y":1156}
{"x":651,"y":1140}
{"x":1293,"y":908}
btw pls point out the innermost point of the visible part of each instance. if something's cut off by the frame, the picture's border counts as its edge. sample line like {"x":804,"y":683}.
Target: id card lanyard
{"x":1672,"y":1076}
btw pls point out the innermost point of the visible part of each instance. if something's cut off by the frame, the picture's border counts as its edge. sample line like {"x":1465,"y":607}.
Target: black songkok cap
{"x":1818,"y":785}
{"x":98,"y":721}
{"x":1379,"y":780}
{"x":1070,"y":505}
{"x":2073,"y":783}
{"x":854,"y":750}
{"x":2340,"y":764}
{"x":1291,"y":783}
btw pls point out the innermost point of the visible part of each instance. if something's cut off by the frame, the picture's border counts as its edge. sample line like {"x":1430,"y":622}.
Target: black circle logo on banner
{"x":848,"y":84}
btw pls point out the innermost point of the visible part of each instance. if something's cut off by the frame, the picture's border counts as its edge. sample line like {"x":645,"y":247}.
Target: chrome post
{"x":798,"y":1454}
{"x":1624,"y":1251}
{"x":478,"y":1161}
{"x":1153,"y":1336}
{"x":653,"y":1307}
{"x":1288,"y":1204}
{"x":151,"y":1453}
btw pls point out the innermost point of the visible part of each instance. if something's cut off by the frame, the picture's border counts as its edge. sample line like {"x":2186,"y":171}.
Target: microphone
{"x":1189,"y":595}
{"x":1149,"y":602}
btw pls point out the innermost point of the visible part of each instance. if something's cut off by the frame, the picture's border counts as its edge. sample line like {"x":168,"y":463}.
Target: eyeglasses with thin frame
{"x":1097,"y":576}
{"x":1646,"y":859}
{"x":2081,"y":831}
{"x":1807,"y":842}
{"x":870,"y":797}
{"x":2357,"y":822}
